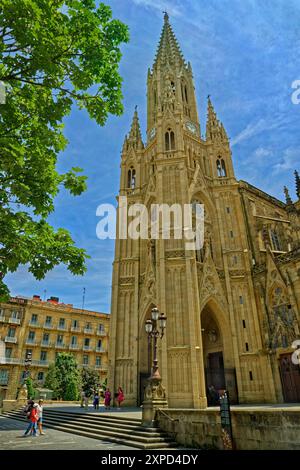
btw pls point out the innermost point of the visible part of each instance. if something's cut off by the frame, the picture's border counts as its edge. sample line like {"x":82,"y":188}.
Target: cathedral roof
{"x":168,"y":48}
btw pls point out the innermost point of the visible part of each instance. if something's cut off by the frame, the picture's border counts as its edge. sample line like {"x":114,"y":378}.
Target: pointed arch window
{"x":276,"y":245}
{"x":221,"y":168}
{"x":169,"y":140}
{"x":131,"y":178}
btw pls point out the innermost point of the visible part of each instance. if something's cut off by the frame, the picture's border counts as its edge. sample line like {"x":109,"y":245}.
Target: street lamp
{"x":28,"y":361}
{"x":154,"y":333}
{"x":154,"y":395}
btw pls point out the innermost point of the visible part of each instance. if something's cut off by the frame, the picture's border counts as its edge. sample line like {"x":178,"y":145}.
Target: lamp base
{"x":154,"y":398}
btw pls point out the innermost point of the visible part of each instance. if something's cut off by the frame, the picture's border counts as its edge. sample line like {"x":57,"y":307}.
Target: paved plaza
{"x":11,"y":432}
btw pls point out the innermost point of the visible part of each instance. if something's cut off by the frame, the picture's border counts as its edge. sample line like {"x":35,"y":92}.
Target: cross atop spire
{"x":168,"y":47}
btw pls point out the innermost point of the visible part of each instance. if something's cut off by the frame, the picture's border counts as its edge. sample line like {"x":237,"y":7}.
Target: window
{"x":60,"y":339}
{"x":74,"y":340}
{"x":8,"y":352}
{"x":34,"y":318}
{"x":88,"y":326}
{"x":75,"y":324}
{"x":247,"y":346}
{"x":221,"y":168}
{"x":48,"y":320}
{"x":244,"y":324}
{"x":43,"y":356}
{"x":101,"y":328}
{"x":85,"y":360}
{"x":231,"y":234}
{"x":3,"y":376}
{"x":98,"y":361}
{"x":61,"y":323}
{"x":86,"y":342}
{"x":275,"y":241}
{"x":228,"y":210}
{"x":250,"y":375}
{"x":40,"y":376}
{"x":14,"y":314}
{"x":131,"y":178}
{"x":241,"y":299}
{"x":169,"y":140}
{"x":31,"y":335}
{"x":11,"y":332}
{"x":45,"y":338}
{"x":99,"y":343}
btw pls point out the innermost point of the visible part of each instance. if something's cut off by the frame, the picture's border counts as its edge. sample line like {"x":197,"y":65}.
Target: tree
{"x":30,"y":387}
{"x":51,"y":381}
{"x":67,"y":376}
{"x":53,"y":54}
{"x":90,"y":380}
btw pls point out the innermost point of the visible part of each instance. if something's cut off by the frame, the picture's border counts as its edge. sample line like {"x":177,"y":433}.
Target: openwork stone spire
{"x":168,"y":48}
{"x":215,"y":130}
{"x":297,"y":177}
{"x":287,"y":196}
{"x":135,"y":137}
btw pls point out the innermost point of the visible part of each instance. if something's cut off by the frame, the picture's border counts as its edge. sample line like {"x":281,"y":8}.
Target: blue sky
{"x":245,"y":54}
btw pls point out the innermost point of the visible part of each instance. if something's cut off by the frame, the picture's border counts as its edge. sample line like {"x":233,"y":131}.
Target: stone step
{"x":97,"y":422}
{"x":140,"y":440}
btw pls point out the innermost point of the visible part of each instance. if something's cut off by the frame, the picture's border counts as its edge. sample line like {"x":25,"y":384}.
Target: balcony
{"x":46,"y":344}
{"x":2,"y":318}
{"x":31,"y":342}
{"x":74,"y":347}
{"x":87,"y":348}
{"x":10,"y":339}
{"x":61,"y":346}
{"x":75,"y":329}
{"x":88,"y":331}
{"x":101,"y":368}
{"x":40,"y":363}
{"x":35,"y":324}
{"x":48,"y":326}
{"x":101,"y":350}
{"x":101,"y":333}
{"x":3,"y":380}
{"x":62,"y":327}
{"x":15,"y":321}
{"x":11,"y":360}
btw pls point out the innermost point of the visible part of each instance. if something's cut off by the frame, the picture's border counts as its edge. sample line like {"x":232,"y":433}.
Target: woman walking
{"x":107,"y":399}
{"x":120,"y":397}
{"x":96,"y":401}
{"x":33,"y":416}
{"x":40,"y":417}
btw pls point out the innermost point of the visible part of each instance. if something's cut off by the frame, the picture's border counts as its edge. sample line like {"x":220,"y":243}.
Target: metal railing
{"x":15,"y":321}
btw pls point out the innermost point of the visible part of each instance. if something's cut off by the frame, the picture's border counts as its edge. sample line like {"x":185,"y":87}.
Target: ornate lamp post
{"x":154,"y":395}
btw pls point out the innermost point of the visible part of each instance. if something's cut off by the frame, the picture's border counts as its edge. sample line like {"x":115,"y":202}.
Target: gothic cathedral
{"x":233,"y":307}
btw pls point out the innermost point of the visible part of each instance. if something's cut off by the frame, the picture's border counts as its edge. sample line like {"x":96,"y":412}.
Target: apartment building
{"x":42,"y":329}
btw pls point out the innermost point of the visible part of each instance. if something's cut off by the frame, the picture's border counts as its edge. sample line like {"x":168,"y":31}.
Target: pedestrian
{"x":82,"y":396}
{"x":40,"y":417}
{"x":96,"y":401}
{"x":120,"y":397}
{"x":107,"y":399}
{"x":33,"y":417}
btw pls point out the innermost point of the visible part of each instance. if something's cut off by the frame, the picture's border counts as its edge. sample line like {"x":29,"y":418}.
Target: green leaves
{"x":53,"y":54}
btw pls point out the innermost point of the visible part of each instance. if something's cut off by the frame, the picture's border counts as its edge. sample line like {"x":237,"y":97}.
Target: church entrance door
{"x":290,"y":378}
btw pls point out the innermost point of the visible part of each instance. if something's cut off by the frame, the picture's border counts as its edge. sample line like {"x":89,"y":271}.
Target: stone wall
{"x":253,"y":428}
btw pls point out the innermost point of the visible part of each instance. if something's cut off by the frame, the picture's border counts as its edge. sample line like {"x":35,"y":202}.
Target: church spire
{"x":168,"y":48}
{"x":135,"y":137}
{"x":297,"y":183}
{"x":287,"y":196}
{"x":215,"y":130}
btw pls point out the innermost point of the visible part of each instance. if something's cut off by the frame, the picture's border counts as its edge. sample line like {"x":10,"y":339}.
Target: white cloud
{"x":161,"y":5}
{"x":289,"y":161}
{"x":256,"y":127}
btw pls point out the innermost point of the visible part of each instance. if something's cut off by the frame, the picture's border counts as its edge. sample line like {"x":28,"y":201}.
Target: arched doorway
{"x":217,"y":354}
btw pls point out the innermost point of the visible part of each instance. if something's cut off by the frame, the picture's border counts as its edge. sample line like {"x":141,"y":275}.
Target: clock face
{"x":152,"y":133}
{"x":191,"y":127}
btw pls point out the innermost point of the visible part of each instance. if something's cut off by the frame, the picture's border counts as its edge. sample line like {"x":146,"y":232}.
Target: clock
{"x":191,"y":127}
{"x":152,"y":133}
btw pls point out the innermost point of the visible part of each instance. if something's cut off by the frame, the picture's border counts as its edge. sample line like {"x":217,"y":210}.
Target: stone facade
{"x":45,"y":329}
{"x":233,"y":306}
